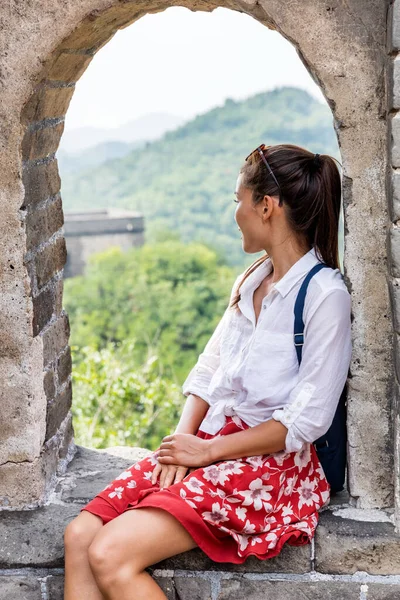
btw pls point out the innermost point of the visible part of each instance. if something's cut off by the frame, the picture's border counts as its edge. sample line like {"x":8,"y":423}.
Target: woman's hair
{"x":311,"y":196}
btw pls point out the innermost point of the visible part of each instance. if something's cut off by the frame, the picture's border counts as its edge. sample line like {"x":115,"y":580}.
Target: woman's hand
{"x":169,"y":474}
{"x":184,"y":449}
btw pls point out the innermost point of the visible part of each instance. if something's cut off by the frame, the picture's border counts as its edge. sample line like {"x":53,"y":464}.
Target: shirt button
{"x":264,"y":306}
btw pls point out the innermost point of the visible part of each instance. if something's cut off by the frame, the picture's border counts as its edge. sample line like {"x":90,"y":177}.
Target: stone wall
{"x":351,"y":50}
{"x":95,"y":231}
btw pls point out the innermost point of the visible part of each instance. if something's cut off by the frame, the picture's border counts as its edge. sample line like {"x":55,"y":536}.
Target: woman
{"x":240,"y":475}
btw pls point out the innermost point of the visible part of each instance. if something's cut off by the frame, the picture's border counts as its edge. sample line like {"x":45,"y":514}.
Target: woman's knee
{"x":80,"y":532}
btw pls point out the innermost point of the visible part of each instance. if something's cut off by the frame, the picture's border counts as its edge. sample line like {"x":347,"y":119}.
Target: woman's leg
{"x":78,"y":535}
{"x":130,"y":543}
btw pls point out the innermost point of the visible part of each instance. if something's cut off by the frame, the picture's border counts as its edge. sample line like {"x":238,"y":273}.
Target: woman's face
{"x":252,"y":220}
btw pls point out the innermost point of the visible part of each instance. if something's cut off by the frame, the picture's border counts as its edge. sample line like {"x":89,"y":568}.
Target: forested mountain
{"x":185,"y":181}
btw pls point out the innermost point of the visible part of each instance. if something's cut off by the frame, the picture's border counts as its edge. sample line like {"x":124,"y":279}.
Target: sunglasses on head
{"x":260,"y":150}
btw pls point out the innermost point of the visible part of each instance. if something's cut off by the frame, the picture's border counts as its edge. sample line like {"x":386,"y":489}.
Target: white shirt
{"x":252,"y":370}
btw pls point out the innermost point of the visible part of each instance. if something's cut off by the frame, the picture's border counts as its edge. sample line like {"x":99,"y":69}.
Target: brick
{"x":40,"y":182}
{"x":394,"y":130}
{"x":43,"y":309}
{"x":47,"y":103}
{"x":344,"y":546}
{"x":64,"y":366}
{"x":39,"y":143}
{"x":49,"y":385}
{"x":55,"y":587}
{"x":234,"y":588}
{"x":58,"y":410}
{"x":99,"y":27}
{"x":42,"y":223}
{"x":55,"y":338}
{"x":20,"y":588}
{"x":50,"y":260}
{"x":68,"y":67}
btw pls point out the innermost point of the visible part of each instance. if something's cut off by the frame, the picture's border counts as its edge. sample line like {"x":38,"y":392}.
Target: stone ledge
{"x":34,"y":538}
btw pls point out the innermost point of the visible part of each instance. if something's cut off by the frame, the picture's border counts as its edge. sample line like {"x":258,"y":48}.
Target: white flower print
{"x":325,"y":495}
{"x":256,"y":540}
{"x":194,"y":485}
{"x":231,"y":467}
{"x":243,"y":541}
{"x":249,"y":528}
{"x":302,"y":457}
{"x":147,"y":475}
{"x":117,"y":492}
{"x":280,"y":457}
{"x":124,"y":475}
{"x":273,"y":537}
{"x":306,"y":493}
{"x":268,"y":521}
{"x":137,"y":467}
{"x":256,"y":494}
{"x":256,"y":461}
{"x":287,"y":512}
{"x":241,"y":513}
{"x":131,"y":484}
{"x":320,"y":472}
{"x":217,"y":515}
{"x":290,"y":483}
{"x":215,"y":475}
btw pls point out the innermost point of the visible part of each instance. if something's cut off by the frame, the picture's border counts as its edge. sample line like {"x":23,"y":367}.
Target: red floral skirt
{"x":231,"y":508}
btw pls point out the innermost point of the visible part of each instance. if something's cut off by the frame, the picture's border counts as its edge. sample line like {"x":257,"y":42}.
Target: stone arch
{"x":349,"y":66}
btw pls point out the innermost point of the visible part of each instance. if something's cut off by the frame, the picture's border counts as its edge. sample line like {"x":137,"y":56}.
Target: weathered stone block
{"x":43,"y":309}
{"x":47,"y":102}
{"x":100,"y":26}
{"x":234,"y":588}
{"x":50,"y":260}
{"x":180,"y":587}
{"x":55,"y":338}
{"x":345,"y":546}
{"x":394,"y":128}
{"x":17,"y":587}
{"x":394,"y":26}
{"x":64,"y":366}
{"x":40,"y":181}
{"x":49,"y":385}
{"x":42,"y":223}
{"x":68,"y":67}
{"x":380,"y":591}
{"x":395,"y":250}
{"x":55,"y":587}
{"x":58,"y":410}
{"x":394,"y":291}
{"x":34,"y":537}
{"x":40,"y":142}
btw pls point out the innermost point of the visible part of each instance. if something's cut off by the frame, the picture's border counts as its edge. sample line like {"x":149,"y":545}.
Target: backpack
{"x":332,"y":446}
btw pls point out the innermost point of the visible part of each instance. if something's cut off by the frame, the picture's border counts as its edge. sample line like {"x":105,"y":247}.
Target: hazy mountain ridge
{"x":185,"y":180}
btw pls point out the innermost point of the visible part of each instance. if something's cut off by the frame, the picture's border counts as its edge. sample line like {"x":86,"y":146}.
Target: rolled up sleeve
{"x":323,"y":371}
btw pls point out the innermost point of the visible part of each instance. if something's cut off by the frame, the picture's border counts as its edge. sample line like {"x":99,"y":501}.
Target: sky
{"x":183,"y":63}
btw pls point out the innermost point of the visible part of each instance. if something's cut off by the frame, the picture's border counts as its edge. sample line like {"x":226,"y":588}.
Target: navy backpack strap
{"x":298,"y":310}
{"x":331,"y":447}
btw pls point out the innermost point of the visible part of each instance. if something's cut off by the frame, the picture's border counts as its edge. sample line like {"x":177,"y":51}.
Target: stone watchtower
{"x":352,"y":51}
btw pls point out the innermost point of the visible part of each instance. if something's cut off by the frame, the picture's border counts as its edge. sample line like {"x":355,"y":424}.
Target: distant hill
{"x":94,"y":156}
{"x":146,"y":128}
{"x":185,"y":181}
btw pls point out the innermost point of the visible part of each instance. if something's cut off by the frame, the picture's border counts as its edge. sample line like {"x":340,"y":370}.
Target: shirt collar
{"x":291,"y":277}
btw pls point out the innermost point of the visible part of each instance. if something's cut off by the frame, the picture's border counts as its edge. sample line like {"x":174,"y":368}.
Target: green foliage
{"x":168,"y":297}
{"x":117,"y":402}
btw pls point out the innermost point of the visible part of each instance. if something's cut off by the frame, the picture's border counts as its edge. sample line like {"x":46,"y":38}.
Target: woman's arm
{"x":193,"y":413}
{"x":313,"y":401}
